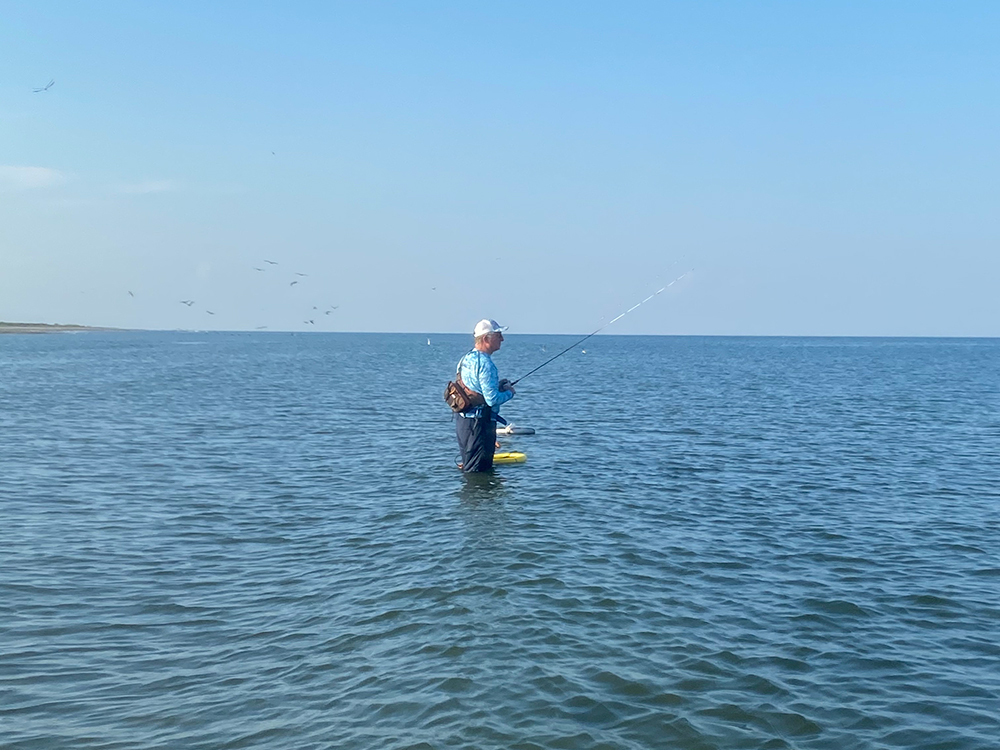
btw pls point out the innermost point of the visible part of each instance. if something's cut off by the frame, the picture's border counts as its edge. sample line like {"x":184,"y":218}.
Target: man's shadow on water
{"x":478,"y":488}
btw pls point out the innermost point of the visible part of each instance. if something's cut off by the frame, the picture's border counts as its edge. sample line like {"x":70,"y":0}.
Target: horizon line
{"x":81,"y":328}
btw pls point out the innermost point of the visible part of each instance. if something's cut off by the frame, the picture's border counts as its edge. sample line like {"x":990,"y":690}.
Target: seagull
{"x":293,"y":283}
{"x":328,"y":312}
{"x":210,"y":312}
{"x":311,"y":322}
{"x":272,"y":153}
{"x":273,"y":263}
{"x":130,"y":294}
{"x":46,"y":87}
{"x":301,"y":274}
{"x":257,"y":269}
{"x":260,"y":328}
{"x":187,"y":302}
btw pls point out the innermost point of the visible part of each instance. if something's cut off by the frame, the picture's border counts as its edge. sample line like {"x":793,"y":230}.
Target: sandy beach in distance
{"x":46,"y":328}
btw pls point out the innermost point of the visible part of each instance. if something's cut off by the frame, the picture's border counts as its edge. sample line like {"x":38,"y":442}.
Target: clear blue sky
{"x":826,"y":168}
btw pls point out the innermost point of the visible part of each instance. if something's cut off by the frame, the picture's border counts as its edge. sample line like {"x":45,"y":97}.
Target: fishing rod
{"x":577,"y":343}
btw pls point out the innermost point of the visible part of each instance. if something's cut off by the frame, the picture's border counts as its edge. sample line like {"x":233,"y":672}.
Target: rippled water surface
{"x":261,"y":541}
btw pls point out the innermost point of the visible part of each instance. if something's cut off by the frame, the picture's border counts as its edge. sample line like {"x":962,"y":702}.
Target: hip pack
{"x":460,"y":397}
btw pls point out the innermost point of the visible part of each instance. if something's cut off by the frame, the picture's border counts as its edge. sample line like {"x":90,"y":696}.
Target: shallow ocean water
{"x":261,"y":541}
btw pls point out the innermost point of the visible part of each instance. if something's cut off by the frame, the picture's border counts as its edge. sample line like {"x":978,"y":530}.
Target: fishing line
{"x":577,"y":343}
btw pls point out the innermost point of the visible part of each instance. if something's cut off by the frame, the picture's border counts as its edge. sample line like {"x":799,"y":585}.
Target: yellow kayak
{"x":509,"y":457}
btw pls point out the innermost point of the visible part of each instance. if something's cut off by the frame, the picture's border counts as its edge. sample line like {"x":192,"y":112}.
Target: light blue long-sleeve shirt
{"x":480,"y":375}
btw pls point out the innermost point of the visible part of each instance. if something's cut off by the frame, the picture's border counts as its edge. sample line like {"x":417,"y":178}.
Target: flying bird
{"x":46,"y":87}
{"x":293,"y":283}
{"x":273,"y":263}
{"x":301,"y":274}
{"x":187,"y":302}
{"x":130,"y":294}
{"x":257,"y":269}
{"x":210,"y":312}
{"x":260,"y":328}
{"x":311,"y":322}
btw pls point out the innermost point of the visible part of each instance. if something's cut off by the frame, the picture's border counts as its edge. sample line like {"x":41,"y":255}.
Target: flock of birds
{"x":314,"y":313}
{"x":316,"y":310}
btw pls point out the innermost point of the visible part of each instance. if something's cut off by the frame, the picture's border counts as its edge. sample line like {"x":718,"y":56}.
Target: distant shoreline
{"x":47,"y":328}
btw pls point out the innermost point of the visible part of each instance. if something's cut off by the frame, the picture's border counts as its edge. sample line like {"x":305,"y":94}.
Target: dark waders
{"x":477,"y":439}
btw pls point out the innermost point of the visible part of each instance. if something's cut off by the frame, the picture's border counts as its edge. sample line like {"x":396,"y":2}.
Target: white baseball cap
{"x":488,"y":326}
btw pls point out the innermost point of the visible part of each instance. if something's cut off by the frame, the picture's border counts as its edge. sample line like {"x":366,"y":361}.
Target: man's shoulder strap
{"x":461,"y":362}
{"x":475,"y":397}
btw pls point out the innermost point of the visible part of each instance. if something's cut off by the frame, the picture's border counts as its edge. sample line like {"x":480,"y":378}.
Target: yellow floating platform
{"x":509,"y":457}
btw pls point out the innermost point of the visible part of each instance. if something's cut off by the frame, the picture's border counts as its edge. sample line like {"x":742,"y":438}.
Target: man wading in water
{"x":476,"y":428}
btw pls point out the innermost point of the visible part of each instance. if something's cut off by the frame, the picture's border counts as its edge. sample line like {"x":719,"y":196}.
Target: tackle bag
{"x":460,"y":398}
